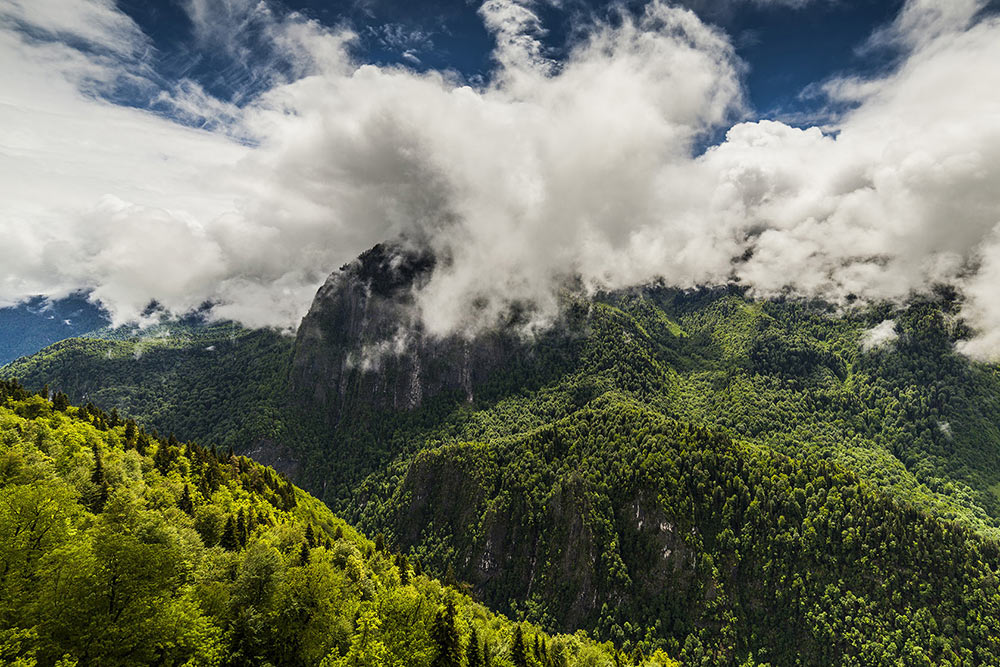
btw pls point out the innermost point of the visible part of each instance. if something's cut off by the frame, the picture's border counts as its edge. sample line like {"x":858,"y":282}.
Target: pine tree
{"x":310,"y":536}
{"x":230,"y":539}
{"x":473,"y":654}
{"x":445,"y":635}
{"x":304,"y":554}
{"x":380,"y":543}
{"x":518,"y":652}
{"x":449,"y":577}
{"x":60,"y":402}
{"x":404,"y":569}
{"x":130,"y":433}
{"x":242,"y":533}
{"x":185,"y":502}
{"x":97,"y":477}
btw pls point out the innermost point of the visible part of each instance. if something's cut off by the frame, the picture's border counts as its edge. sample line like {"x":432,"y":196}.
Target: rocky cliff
{"x":362,"y":344}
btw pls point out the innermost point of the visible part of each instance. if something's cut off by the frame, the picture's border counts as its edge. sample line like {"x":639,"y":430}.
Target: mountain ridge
{"x":909,"y":422}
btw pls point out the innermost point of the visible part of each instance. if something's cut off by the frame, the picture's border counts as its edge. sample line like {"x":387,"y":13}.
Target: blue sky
{"x":785,"y":48}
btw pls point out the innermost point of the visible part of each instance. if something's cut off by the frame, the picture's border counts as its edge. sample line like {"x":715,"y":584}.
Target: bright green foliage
{"x":813,"y":500}
{"x":143,"y":581}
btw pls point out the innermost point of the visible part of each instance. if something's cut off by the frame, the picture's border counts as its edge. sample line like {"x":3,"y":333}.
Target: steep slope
{"x":215,"y":383}
{"x":905,"y":429}
{"x":117,"y":548}
{"x":652,"y":530}
{"x":361,"y":344}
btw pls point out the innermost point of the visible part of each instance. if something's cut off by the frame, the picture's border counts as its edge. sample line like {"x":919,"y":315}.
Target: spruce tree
{"x":60,"y":402}
{"x":130,"y":433}
{"x":304,"y":554}
{"x":445,"y":635}
{"x":185,"y":502}
{"x":97,"y":477}
{"x":518,"y":652}
{"x":473,"y":654}
{"x":230,"y":540}
{"x":403,"y":563}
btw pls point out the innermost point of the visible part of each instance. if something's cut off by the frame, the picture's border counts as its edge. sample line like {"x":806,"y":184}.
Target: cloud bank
{"x":581,"y":169}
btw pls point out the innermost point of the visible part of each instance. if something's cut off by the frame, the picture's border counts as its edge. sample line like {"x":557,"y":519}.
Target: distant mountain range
{"x":29,"y":326}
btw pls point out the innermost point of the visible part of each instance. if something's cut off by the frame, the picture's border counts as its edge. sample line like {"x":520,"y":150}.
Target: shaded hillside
{"x":652,"y":530}
{"x":118,"y":548}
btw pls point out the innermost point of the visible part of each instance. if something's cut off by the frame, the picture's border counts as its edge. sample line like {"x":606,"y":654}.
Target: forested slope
{"x":121,"y":548}
{"x":867,"y":448}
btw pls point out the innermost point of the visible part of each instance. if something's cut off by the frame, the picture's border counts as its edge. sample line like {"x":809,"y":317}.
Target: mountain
{"x":38,"y":322}
{"x":728,"y":479}
{"x":361,"y":345}
{"x":121,"y":548}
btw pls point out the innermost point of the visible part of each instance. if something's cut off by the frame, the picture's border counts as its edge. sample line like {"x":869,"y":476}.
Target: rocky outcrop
{"x":361,"y":345}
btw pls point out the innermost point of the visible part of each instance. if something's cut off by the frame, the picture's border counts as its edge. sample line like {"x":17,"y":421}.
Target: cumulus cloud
{"x":579,"y":170}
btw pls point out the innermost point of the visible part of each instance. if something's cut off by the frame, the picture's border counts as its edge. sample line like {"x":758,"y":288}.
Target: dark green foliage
{"x":446,"y":638}
{"x":139,"y":583}
{"x":518,"y":652}
{"x":185,"y":502}
{"x":473,"y":650}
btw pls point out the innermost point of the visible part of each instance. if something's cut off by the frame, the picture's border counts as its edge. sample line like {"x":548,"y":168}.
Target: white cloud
{"x":578,"y":168}
{"x":879,"y":336}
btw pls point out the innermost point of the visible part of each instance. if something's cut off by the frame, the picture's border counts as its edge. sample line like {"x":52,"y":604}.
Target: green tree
{"x":518,"y":651}
{"x":473,"y":651}
{"x":446,"y":638}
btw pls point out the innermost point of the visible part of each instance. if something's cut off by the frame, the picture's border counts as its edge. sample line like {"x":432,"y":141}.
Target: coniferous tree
{"x":185,"y":502}
{"x":242,"y":533}
{"x":163,"y":457}
{"x":445,"y":635}
{"x":310,"y":536}
{"x":230,"y":538}
{"x":473,"y":652}
{"x":449,"y":577}
{"x":518,"y":652}
{"x":304,"y":554}
{"x":60,"y":401}
{"x":404,"y":569}
{"x":97,"y":477}
{"x":130,"y":432}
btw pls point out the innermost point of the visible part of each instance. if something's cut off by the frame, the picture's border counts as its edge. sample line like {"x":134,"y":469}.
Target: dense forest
{"x":723,"y":479}
{"x":122,"y":547}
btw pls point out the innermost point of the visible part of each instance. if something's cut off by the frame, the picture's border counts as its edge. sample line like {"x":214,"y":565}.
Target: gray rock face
{"x":361,"y":345}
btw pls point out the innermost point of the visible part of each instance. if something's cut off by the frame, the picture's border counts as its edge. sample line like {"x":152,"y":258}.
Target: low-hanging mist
{"x":589,"y":167}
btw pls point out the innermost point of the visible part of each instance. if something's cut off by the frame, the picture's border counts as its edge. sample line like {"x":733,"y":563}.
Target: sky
{"x":235,"y":152}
